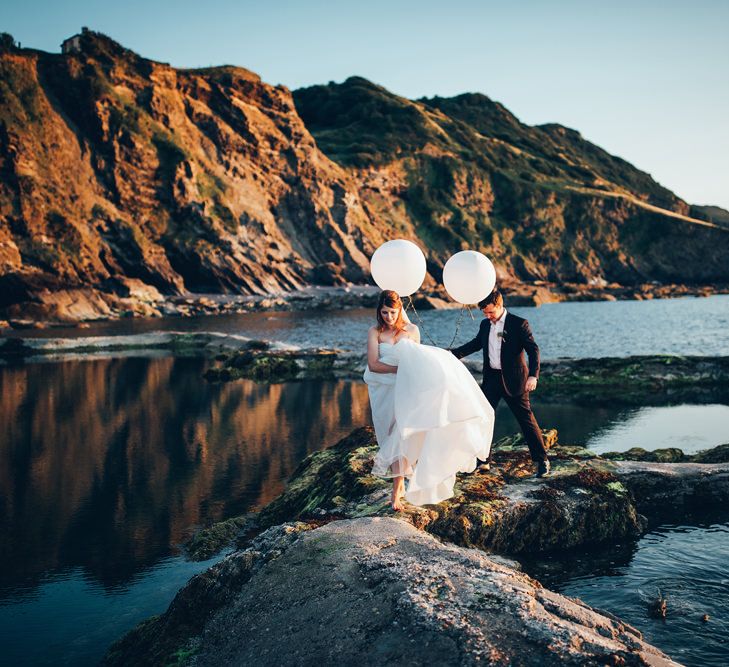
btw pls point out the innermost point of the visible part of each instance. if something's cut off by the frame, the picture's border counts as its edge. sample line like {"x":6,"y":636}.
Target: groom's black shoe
{"x":542,"y":468}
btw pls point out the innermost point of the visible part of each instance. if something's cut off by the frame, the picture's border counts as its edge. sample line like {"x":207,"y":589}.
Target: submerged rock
{"x":379,"y":588}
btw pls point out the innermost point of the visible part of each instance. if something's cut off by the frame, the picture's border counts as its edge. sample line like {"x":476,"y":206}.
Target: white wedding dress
{"x":431,"y":419}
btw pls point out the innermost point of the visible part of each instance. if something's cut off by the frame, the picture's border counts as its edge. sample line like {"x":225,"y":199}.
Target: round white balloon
{"x":398,"y":265}
{"x":469,"y":276}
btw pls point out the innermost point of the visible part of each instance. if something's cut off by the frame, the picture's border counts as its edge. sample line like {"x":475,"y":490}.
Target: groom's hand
{"x":531,"y":383}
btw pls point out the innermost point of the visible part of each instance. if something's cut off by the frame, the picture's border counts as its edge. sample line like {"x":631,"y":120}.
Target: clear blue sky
{"x":647,"y":80}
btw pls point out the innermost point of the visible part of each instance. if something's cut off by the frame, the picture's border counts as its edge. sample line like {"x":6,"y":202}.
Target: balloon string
{"x":468,"y":308}
{"x":458,"y":325}
{"x":410,"y":304}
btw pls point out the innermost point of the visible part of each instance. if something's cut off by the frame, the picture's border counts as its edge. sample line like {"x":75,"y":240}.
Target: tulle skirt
{"x":431,"y":420}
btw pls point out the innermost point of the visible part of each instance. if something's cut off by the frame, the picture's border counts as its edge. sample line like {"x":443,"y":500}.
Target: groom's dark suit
{"x":509,"y":382}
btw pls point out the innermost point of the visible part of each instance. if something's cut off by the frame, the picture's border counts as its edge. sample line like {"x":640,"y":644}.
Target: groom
{"x":504,"y":338}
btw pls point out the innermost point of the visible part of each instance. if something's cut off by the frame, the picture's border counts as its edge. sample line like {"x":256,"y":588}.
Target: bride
{"x":430,"y":416}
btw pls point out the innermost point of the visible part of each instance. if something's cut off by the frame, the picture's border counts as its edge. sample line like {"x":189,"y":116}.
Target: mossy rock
{"x":588,"y":478}
{"x":208,"y":541}
{"x":718,"y":454}
{"x":667,"y":455}
{"x":571,"y":452}
{"x":516,"y":442}
{"x":258,"y":362}
{"x":582,"y":502}
{"x":327,"y":478}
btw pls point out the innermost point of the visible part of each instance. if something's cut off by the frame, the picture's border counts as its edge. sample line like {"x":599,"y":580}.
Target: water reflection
{"x":108,"y":463}
{"x":688,"y":427}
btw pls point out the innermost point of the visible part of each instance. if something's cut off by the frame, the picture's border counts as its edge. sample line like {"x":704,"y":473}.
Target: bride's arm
{"x":413,"y":332}
{"x":373,"y":355}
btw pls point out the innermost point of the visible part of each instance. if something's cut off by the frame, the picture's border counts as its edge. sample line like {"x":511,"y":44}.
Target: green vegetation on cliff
{"x":119,"y":168}
{"x":545,"y":202}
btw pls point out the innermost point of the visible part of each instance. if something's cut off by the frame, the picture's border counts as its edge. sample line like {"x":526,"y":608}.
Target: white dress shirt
{"x":495,"y":341}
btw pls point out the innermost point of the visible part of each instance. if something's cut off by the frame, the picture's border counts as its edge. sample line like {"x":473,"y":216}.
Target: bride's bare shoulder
{"x":411,"y":328}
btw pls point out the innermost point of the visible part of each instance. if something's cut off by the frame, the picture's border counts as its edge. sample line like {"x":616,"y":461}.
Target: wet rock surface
{"x":379,"y":589}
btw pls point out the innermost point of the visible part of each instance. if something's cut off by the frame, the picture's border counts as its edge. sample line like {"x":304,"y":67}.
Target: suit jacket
{"x":517,"y":339}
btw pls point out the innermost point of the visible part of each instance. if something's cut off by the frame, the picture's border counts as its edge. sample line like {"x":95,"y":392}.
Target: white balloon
{"x":398,"y":265}
{"x":469,"y":276}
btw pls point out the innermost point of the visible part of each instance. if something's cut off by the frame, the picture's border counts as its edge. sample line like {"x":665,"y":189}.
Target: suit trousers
{"x":493,"y":389}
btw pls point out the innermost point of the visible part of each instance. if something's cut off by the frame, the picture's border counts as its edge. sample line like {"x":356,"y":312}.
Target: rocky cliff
{"x":122,"y":178}
{"x":125,"y":175}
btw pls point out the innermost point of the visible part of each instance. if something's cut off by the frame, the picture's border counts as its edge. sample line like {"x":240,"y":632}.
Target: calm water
{"x":690,"y":326}
{"x":684,"y":563}
{"x":107,"y":464}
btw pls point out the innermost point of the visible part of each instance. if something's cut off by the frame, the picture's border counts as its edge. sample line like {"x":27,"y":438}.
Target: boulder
{"x":379,"y":590}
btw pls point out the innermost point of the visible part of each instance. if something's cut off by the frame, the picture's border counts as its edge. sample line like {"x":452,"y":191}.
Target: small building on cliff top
{"x":73,"y":44}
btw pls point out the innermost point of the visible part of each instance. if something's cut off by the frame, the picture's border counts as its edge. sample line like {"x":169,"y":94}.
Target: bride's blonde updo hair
{"x":391,"y":300}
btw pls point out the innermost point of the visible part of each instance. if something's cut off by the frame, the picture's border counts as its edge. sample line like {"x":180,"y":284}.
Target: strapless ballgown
{"x":431,"y":419}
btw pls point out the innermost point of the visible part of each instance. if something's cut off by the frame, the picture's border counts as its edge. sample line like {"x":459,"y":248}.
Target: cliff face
{"x":121,"y":176}
{"x":547,"y":204}
{"x":116,"y":168}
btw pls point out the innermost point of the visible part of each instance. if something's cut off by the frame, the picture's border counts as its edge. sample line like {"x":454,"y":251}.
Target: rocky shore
{"x":612,"y":379}
{"x":74,"y":308}
{"x":625,"y":380}
{"x":329,"y":553}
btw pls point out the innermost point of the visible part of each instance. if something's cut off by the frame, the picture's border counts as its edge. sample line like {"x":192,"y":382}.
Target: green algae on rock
{"x":587,"y":499}
{"x":637,"y":374}
{"x":500,"y":510}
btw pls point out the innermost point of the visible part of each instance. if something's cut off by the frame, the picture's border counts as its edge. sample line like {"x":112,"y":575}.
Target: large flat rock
{"x":379,"y":591}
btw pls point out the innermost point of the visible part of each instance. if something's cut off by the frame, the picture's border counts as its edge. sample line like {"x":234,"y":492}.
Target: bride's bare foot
{"x":398,"y":491}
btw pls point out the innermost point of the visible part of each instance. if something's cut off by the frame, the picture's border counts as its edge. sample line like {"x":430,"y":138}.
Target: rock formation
{"x":123,"y":181}
{"x":333,"y":576}
{"x":121,"y":175}
{"x":376,"y":590}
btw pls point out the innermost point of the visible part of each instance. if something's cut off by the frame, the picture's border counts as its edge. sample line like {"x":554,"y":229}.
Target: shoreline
{"x":77,"y":308}
{"x":627,"y":380}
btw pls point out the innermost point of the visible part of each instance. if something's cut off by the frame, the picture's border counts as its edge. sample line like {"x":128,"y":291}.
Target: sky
{"x":646,"y":80}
